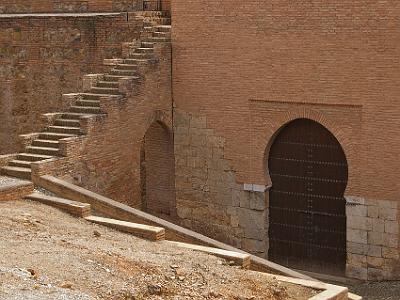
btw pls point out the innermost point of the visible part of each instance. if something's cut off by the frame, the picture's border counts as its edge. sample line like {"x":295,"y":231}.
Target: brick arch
{"x":157,"y":170}
{"x":313,"y":115}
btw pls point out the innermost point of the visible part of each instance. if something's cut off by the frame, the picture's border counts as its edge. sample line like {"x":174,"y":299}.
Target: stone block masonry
{"x":43,"y":57}
{"x":208,"y":198}
{"x":76,"y":6}
{"x":51,"y":6}
{"x":373,"y":239}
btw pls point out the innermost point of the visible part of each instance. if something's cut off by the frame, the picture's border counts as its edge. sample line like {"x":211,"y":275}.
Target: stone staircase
{"x":67,"y":124}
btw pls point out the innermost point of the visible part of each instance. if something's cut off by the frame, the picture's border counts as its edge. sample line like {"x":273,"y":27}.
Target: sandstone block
{"x":392,"y":253}
{"x":357,"y":236}
{"x":356,"y":210}
{"x":362,"y":223}
{"x":378,"y":225}
{"x":375,"y":262}
{"x":356,"y":272}
{"x":375,"y":238}
{"x":392,"y":227}
{"x":357,"y":260}
{"x":257,"y":201}
{"x":374,"y":251}
{"x":390,"y":240}
{"x":389,"y":214}
{"x":375,"y":274}
{"x":356,"y":248}
{"x":373,"y":211}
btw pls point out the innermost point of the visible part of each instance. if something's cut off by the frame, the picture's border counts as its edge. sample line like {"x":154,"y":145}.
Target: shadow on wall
{"x":157,"y":172}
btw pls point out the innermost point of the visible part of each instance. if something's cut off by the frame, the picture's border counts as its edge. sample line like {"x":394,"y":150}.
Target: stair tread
{"x":76,"y":208}
{"x":19,"y":169}
{"x":47,"y":141}
{"x":36,"y":155}
{"x":43,"y":148}
{"x":63,"y":127}
{"x":98,"y":95}
{"x":108,"y":221}
{"x":56,"y":199}
{"x":58,"y":134}
{"x":19,"y":161}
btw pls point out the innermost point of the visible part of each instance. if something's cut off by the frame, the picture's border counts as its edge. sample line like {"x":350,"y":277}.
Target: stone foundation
{"x":372,"y":239}
{"x":209,"y":199}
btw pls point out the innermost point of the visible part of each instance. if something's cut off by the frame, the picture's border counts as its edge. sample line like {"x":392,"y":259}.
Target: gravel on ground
{"x":47,"y":254}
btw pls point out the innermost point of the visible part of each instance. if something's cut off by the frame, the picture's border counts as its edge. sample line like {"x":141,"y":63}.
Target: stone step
{"x":123,"y":73}
{"x":74,"y":116}
{"x":112,"y":83}
{"x":64,"y":129}
{"x":67,"y":122}
{"x":88,"y":103}
{"x":240,"y":259}
{"x":46,"y":143}
{"x":85,"y":110}
{"x":157,"y":39}
{"x":142,"y":56}
{"x":115,"y":78}
{"x":23,"y":173}
{"x":147,"y":45}
{"x":135,"y":60}
{"x":20,"y":163}
{"x":144,"y":231}
{"x":163,"y":28}
{"x":75,"y":208}
{"x":54,"y":136}
{"x":129,"y":67}
{"x":42,"y":150}
{"x":162,"y":34}
{"x":101,"y":90}
{"x":95,"y":95}
{"x":145,"y":50}
{"x":33,"y":157}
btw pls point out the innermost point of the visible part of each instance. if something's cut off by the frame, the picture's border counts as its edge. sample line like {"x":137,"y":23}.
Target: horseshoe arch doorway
{"x":307,"y":216}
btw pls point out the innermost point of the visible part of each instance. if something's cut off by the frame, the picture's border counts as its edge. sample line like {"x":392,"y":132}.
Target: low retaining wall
{"x":15,"y":190}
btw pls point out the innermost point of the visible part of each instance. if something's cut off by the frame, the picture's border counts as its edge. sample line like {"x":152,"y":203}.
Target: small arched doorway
{"x":157,"y":172}
{"x":307,"y":218}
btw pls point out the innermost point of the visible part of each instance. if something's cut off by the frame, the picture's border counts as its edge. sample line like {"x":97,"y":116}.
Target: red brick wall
{"x":45,"y":6}
{"x":251,"y":66}
{"x":42,"y":58}
{"x":107,"y":160}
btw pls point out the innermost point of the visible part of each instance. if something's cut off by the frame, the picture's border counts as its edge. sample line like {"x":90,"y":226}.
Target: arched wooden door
{"x":307,"y":221}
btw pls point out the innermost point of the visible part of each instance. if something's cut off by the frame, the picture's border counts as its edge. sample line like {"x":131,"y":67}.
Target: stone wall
{"x":208,"y":198}
{"x":373,"y":239}
{"x":77,"y":6}
{"x":51,"y":6}
{"x":42,"y":58}
{"x":254,"y":66}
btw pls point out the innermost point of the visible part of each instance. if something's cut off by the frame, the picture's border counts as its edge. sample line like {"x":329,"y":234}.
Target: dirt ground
{"x":46,"y":254}
{"x":377,"y":290}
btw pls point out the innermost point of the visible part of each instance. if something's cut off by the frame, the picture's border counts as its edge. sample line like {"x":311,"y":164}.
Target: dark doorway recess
{"x":307,"y":218}
{"x":157,"y":172}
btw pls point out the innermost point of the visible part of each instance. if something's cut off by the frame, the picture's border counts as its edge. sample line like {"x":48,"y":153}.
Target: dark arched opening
{"x":307,"y":217}
{"x":157,"y":172}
